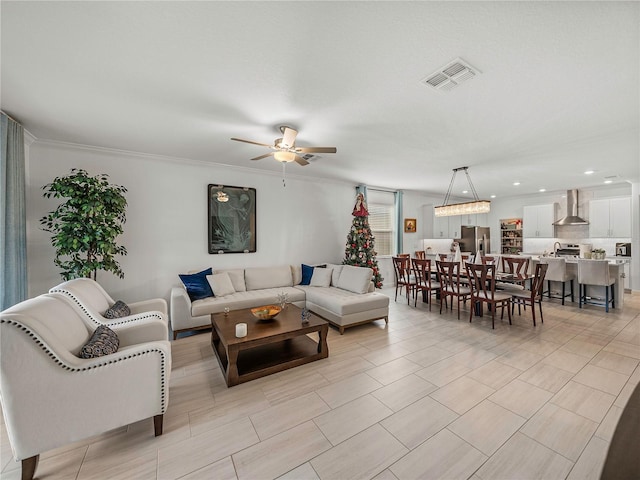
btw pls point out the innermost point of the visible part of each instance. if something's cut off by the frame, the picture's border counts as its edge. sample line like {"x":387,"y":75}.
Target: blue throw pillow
{"x":196,"y":284}
{"x":307,"y":273}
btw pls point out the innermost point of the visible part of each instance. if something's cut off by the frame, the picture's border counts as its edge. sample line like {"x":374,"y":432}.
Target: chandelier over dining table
{"x":465,"y":208}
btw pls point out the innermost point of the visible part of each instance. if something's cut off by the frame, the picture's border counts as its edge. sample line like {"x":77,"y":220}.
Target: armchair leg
{"x":29,"y":466}
{"x":157,"y":424}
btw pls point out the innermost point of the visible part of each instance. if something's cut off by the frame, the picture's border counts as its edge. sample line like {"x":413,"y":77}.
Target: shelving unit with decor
{"x":511,"y":236}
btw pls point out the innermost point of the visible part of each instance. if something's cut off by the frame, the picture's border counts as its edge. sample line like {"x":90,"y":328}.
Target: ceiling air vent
{"x":451,"y":75}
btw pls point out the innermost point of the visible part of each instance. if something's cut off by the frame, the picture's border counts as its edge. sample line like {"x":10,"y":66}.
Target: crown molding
{"x":29,"y":138}
{"x":184,"y":161}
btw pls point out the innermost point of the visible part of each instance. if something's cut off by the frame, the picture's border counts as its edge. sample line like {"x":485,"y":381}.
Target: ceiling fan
{"x":285,"y":150}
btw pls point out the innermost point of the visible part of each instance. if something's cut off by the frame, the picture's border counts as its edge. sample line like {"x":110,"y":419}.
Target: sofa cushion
{"x":268,"y":277}
{"x":296,"y":274}
{"x":117,"y":310}
{"x":248,"y":299}
{"x":307,"y":273}
{"x":355,"y":279}
{"x":321,"y":277}
{"x":196,"y":284}
{"x":237,"y":278}
{"x":221,"y":284}
{"x":335,"y":276}
{"x":104,"y":341}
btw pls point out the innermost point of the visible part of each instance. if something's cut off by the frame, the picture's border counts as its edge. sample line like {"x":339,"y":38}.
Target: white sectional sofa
{"x":343,"y":295}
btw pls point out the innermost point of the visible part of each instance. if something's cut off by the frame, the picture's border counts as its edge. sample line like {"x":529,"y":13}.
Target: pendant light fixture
{"x":466,"y":208}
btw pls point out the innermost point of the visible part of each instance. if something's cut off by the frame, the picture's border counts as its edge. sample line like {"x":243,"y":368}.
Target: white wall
{"x":166,"y":229}
{"x":413,"y":207}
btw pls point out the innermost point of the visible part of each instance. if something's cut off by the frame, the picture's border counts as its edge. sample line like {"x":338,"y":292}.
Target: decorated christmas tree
{"x":360,"y":242}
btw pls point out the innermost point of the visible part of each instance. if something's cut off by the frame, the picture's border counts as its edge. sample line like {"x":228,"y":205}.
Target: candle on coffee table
{"x":241,"y":330}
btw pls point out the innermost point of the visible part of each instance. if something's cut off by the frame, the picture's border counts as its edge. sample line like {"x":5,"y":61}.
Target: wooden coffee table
{"x":269,"y":347}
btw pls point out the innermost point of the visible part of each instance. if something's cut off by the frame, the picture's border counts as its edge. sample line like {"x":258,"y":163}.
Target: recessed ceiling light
{"x":493,"y":196}
{"x":542,"y":190}
{"x":465,"y":191}
{"x":608,"y":181}
{"x":588,"y":172}
{"x":516,"y":183}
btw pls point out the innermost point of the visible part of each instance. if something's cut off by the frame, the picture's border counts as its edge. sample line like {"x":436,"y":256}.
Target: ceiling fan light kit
{"x":284,"y":156}
{"x":466,"y":208}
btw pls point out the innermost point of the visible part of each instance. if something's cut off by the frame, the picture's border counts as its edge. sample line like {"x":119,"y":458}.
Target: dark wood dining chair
{"x":404,"y":277}
{"x":516,"y":265}
{"x":482,"y":281}
{"x":488,"y":259}
{"x":420,"y":254}
{"x":519,"y":268}
{"x":451,"y":284}
{"x":424,"y":280}
{"x":443,"y":257}
{"x":533,"y":295}
{"x":404,"y":255}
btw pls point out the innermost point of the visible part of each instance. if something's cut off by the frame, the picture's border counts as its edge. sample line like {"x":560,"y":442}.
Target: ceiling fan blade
{"x":254,"y":143}
{"x":263,"y":156}
{"x":289,"y":137}
{"x":316,"y":149}
{"x":301,"y":161}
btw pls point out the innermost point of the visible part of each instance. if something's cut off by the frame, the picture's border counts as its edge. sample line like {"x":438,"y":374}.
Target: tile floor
{"x":428,"y":396}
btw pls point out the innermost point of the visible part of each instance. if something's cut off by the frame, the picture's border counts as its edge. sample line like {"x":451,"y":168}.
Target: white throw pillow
{"x":321,"y":277}
{"x":355,"y":279}
{"x":221,"y":284}
{"x":237,"y":278}
{"x":337,"y":270}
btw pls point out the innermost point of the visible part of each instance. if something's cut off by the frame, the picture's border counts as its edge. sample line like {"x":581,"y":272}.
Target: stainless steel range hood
{"x":572,"y":217}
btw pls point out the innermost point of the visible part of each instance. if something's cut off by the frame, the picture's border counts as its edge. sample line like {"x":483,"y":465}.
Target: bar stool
{"x":595,"y":273}
{"x":557,"y":272}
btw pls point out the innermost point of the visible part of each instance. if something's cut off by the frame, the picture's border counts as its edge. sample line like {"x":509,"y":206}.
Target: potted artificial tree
{"x":85,"y":227}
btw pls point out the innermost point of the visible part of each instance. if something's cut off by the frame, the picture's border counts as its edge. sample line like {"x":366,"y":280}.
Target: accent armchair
{"x":51,"y":397}
{"x":91,"y":300}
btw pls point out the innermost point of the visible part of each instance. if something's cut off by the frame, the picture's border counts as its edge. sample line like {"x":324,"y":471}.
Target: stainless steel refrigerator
{"x":475,"y":240}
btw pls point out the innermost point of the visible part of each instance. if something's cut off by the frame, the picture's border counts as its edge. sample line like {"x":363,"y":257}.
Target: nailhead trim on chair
{"x":59,"y":361}
{"x":95,"y":320}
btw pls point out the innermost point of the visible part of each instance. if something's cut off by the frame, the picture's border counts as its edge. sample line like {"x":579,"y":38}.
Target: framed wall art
{"x":231,"y":219}
{"x":409,"y":225}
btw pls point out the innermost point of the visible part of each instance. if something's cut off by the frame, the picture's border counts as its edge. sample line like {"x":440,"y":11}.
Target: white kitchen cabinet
{"x":537,"y":221}
{"x":450,"y":227}
{"x":455,"y":223}
{"x":610,"y":218}
{"x":441,"y":227}
{"x":482,"y":220}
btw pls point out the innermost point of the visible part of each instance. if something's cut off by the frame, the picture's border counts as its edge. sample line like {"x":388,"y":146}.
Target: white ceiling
{"x":558,"y":93}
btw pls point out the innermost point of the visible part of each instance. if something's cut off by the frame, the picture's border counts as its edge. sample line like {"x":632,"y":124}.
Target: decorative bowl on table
{"x":268,"y":312}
